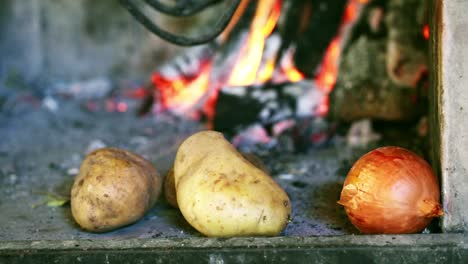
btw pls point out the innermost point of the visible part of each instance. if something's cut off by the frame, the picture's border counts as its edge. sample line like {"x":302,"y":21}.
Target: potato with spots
{"x":114,"y":188}
{"x":169,"y":184}
{"x":222,"y":194}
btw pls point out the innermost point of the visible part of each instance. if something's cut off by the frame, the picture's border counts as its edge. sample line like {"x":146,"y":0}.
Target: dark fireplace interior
{"x":308,"y":86}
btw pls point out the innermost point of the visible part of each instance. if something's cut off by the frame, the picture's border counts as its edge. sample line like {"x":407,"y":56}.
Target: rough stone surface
{"x":40,"y":153}
{"x":342,"y":249}
{"x":42,"y":150}
{"x":382,"y":69}
{"x":450,"y":58}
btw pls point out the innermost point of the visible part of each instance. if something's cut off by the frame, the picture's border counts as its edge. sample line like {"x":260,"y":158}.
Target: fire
{"x":267,"y":71}
{"x":288,"y":68}
{"x":246,"y":69}
{"x":252,"y":66}
{"x":351,"y":11}
{"x":326,"y":78}
{"x":293,"y":74}
{"x":181,"y":92}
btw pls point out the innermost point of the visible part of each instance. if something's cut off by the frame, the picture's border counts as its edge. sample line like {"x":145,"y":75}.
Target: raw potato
{"x":256,"y":161}
{"x":222,"y":194}
{"x":169,"y":184}
{"x":113,"y":188}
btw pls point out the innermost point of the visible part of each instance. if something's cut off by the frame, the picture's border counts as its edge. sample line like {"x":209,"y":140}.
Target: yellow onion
{"x":391,"y":190}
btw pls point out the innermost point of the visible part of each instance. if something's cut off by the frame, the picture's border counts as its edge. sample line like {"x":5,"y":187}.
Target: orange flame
{"x":252,"y":66}
{"x":293,"y":74}
{"x":267,"y":72}
{"x":182,"y":92}
{"x":328,"y":73}
{"x":289,"y":70}
{"x":265,"y":19}
{"x":326,"y":78}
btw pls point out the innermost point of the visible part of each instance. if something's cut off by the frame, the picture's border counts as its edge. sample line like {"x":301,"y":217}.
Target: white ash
{"x":310,"y":101}
{"x":50,"y":103}
{"x":272,"y":46}
{"x":94,"y":145}
{"x":139,"y":141}
{"x":286,"y":176}
{"x":86,"y":89}
{"x":264,"y":96}
{"x":13,"y":179}
{"x":273,"y":112}
{"x":237,"y":90}
{"x":361,"y":134}
{"x":73,"y":171}
{"x":188,"y":63}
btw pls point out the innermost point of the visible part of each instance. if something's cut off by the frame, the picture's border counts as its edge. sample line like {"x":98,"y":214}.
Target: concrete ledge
{"x":429,"y":248}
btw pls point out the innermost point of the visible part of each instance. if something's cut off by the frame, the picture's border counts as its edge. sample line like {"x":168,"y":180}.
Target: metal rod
{"x":179,"y":39}
{"x":182,"y":7}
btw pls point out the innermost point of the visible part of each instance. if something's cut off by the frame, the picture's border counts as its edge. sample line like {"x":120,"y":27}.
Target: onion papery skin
{"x":391,"y":190}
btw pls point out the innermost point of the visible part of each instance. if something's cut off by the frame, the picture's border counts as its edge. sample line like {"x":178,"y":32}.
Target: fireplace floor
{"x":41,"y":151}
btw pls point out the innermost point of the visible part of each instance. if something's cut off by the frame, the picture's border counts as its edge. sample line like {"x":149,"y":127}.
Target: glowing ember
{"x":137,"y":93}
{"x":110,"y":105}
{"x":122,"y":107}
{"x":181,"y":93}
{"x":283,"y":125}
{"x":255,"y":134}
{"x":426,"y":32}
{"x":323,"y":108}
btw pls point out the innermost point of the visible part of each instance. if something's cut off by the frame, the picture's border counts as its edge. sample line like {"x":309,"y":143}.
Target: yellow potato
{"x":113,"y":188}
{"x":256,"y":161}
{"x":222,"y":194}
{"x":169,"y":184}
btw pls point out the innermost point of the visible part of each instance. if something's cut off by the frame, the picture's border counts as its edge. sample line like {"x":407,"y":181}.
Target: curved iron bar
{"x":182,"y":7}
{"x":179,"y":39}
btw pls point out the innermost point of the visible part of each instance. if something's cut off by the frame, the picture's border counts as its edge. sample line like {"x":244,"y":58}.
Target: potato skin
{"x":222,"y":194}
{"x":169,"y":189}
{"x":169,"y":184}
{"x":114,"y":188}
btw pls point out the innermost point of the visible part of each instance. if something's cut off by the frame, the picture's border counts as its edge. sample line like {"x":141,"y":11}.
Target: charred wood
{"x":241,"y":107}
{"x":322,"y":26}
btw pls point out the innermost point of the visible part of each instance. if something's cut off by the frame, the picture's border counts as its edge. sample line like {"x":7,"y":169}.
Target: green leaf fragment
{"x":57,"y":202}
{"x":52,"y":200}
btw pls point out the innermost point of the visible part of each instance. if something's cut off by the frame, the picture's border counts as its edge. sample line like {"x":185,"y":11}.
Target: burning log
{"x":254,"y":70}
{"x":384,"y":57}
{"x":247,"y":57}
{"x":321,"y":27}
